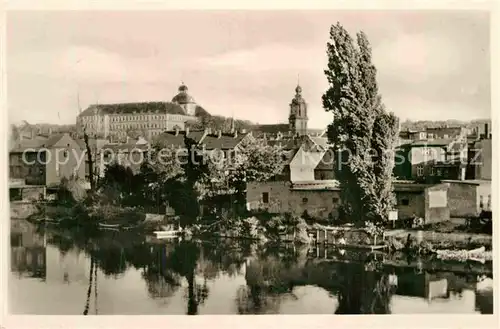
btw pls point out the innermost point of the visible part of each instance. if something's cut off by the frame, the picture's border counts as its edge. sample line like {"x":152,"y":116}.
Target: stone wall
{"x":462,"y":200}
{"x":321,"y":204}
{"x":436,"y":204}
{"x":410,"y":203}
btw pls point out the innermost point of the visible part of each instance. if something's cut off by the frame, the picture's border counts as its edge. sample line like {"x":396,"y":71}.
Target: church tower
{"x":298,"y":114}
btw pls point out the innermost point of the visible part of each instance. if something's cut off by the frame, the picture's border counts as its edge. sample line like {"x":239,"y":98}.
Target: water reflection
{"x":125,"y":273}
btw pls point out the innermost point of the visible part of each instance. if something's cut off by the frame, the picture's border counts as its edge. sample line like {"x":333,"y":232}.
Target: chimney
{"x":176,"y":131}
{"x":243,"y":131}
{"x":486,"y":132}
{"x":219,"y":133}
{"x":208,"y":130}
{"x":187,"y":131}
{"x":235,"y":133}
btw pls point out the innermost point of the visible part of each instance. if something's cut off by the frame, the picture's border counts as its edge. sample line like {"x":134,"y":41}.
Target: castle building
{"x":147,"y":119}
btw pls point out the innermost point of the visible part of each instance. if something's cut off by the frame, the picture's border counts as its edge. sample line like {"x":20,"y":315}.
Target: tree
{"x":252,"y":161}
{"x":362,"y":132}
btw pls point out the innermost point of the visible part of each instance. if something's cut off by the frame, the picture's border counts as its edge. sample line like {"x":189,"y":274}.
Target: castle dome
{"x":183,"y":97}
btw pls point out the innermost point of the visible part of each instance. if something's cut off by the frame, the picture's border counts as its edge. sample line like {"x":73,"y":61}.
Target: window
{"x":420,"y":171}
{"x":265,"y":197}
{"x":439,"y":172}
{"x":335,"y":200}
{"x":304,"y":200}
{"x":405,"y":202}
{"x":481,"y":204}
{"x":432,"y":171}
{"x":488,"y":205}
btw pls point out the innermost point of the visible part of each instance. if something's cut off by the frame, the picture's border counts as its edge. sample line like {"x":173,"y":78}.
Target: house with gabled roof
{"x":47,"y":160}
{"x":431,"y":160}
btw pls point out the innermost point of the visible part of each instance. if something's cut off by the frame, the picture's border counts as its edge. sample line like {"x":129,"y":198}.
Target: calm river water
{"x":55,"y":272}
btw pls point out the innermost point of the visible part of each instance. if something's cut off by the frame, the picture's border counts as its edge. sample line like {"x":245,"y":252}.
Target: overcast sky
{"x":431,"y":65}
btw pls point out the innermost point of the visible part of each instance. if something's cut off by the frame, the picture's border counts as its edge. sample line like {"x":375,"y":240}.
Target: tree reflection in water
{"x":363,"y":290}
{"x":271,"y":272}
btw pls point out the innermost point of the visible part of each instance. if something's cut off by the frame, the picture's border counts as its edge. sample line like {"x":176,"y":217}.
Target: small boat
{"x":109,"y":226}
{"x":166,"y":234}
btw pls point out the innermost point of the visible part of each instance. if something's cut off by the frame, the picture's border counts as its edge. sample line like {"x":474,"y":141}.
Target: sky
{"x":431,"y":65}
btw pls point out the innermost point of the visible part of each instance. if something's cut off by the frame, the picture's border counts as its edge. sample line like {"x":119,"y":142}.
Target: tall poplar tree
{"x":362,"y":132}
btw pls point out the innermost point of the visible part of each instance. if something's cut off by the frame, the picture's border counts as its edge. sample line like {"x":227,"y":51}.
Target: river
{"x":56,"y":272}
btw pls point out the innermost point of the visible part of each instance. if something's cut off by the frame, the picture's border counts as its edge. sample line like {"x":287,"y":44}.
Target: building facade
{"x":146,"y":119}
{"x":46,"y":161}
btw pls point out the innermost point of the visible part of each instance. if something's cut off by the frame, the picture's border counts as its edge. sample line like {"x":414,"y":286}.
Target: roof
{"x":306,"y":159}
{"x":320,"y":141}
{"x":210,"y":141}
{"x":26,"y":144}
{"x":272,"y":128}
{"x":224,"y":142}
{"x":53,"y":139}
{"x":124,"y":147}
{"x":130,"y":108}
{"x":434,"y":142}
{"x":285,"y":143}
{"x":467,"y":181}
{"x":327,"y":161}
{"x":325,"y":185}
{"x":38,"y":142}
{"x":409,"y":186}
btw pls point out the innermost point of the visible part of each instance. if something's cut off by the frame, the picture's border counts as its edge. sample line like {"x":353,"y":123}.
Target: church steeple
{"x":298,"y":113}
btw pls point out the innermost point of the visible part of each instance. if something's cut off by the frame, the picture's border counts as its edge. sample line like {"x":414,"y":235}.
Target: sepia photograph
{"x":249,"y":162}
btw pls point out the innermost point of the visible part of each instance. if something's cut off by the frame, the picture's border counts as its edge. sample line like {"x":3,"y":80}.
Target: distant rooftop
{"x":140,"y":107}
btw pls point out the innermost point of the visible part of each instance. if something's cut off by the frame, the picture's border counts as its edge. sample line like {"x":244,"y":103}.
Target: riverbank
{"x":260,"y":227}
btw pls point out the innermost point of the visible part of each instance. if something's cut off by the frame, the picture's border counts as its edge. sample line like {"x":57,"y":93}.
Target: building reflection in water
{"x":28,"y":250}
{"x":272,"y":279}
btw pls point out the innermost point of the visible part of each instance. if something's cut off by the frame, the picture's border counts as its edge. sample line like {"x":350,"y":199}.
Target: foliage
{"x":363,"y":133}
{"x":217,"y":122}
{"x":71,"y":191}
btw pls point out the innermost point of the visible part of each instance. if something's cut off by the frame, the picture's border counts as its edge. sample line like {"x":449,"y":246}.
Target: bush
{"x":71,"y":191}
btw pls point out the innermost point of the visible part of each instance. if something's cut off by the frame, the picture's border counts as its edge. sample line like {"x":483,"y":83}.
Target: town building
{"x":432,"y":159}
{"x":206,"y":141}
{"x":321,"y":199}
{"x":480,"y":155}
{"x":117,"y":121}
{"x":308,"y":162}
{"x":47,"y":160}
